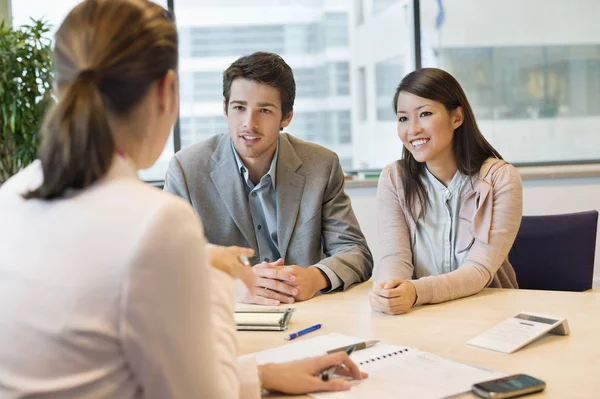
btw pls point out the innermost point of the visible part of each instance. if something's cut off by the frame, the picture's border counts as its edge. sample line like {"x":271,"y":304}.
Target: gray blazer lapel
{"x":227,"y":180}
{"x":290,"y":186}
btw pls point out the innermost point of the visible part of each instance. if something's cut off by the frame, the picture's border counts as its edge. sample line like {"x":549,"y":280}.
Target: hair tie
{"x":90,"y":75}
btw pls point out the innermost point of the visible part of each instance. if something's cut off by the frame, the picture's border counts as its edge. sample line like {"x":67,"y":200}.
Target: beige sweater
{"x":489,"y":218}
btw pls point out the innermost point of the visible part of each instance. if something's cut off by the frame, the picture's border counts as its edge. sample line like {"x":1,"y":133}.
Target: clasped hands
{"x":268,"y":283}
{"x":393,"y":297}
{"x":276,"y":283}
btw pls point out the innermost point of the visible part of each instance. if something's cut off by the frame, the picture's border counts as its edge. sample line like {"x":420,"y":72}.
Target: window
{"x":339,"y":77}
{"x":382,"y":54}
{"x":326,"y":128}
{"x":529,"y":82}
{"x":311,"y":82}
{"x":362,"y":98}
{"x":312,"y":126}
{"x":312,"y":36}
{"x":359,"y":9}
{"x":388,"y":74}
{"x":346,"y":163}
{"x":534,"y":86}
{"x":543,"y":94}
{"x":336,"y":29}
{"x":535,"y":94}
{"x":218,"y":41}
{"x":303,"y":38}
{"x":344,"y":127}
{"x":200,"y":128}
{"x":208,"y":86}
{"x":379,"y":6}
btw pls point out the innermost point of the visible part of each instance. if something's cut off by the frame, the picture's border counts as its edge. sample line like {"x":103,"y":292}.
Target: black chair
{"x":556,"y":252}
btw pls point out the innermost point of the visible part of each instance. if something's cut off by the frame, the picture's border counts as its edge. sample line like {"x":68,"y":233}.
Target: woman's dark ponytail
{"x":77,"y":146}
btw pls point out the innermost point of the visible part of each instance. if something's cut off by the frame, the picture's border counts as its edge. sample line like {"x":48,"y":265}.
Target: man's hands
{"x":307,"y":281}
{"x":394,"y":297}
{"x":301,"y":376}
{"x":277,"y":284}
{"x":273,"y":285}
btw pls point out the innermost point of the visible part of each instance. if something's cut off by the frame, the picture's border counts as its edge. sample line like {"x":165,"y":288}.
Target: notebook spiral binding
{"x":395,"y":353}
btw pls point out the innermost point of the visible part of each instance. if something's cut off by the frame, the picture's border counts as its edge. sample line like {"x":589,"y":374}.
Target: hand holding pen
{"x":303,"y":376}
{"x":326,"y":375}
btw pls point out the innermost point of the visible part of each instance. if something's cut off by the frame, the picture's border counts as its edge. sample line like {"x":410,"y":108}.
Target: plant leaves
{"x":25,"y":90}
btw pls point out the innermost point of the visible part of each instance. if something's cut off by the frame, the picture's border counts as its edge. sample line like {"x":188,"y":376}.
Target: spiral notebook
{"x":394,"y":371}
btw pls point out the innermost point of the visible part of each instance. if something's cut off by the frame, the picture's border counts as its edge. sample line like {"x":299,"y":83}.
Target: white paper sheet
{"x":394,"y":371}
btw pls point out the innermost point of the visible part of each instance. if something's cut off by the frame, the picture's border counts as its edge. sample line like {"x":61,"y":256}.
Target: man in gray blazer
{"x":283,"y":197}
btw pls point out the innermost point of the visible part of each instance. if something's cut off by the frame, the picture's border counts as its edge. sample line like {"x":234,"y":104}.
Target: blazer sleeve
{"x":176,"y":322}
{"x":393,"y":231}
{"x":484,"y":259}
{"x":175,"y":181}
{"x":345,"y":246}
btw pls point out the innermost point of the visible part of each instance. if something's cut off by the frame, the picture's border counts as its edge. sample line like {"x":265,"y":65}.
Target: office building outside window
{"x":311,"y":36}
{"x":534,"y":83}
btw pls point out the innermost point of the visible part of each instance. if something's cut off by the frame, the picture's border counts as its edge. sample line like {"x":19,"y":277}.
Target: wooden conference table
{"x":569,"y":365}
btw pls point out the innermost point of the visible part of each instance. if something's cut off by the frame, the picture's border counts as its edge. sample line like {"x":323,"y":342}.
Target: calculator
{"x":516,"y":332}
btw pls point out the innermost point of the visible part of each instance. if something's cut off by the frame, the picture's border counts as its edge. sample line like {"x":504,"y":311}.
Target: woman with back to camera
{"x":450,"y":209}
{"x":105,"y":284}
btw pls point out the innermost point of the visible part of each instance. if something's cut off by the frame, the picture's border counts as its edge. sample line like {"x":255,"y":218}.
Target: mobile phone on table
{"x":509,"y":387}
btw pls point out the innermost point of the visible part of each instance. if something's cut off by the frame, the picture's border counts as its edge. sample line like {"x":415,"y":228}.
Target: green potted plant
{"x":25,"y":92}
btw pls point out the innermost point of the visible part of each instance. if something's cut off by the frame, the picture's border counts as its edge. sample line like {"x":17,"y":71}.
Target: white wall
{"x":540,"y":197}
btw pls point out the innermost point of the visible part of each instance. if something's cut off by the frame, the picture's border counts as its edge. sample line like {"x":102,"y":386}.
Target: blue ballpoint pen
{"x":302,"y":332}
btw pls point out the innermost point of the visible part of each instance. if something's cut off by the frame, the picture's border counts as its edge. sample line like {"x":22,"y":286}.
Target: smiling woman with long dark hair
{"x":449,"y":210}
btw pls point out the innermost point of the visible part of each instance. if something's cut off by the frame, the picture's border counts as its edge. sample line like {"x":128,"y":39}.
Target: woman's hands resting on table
{"x":227,"y":259}
{"x":301,"y":376}
{"x":394,"y":297}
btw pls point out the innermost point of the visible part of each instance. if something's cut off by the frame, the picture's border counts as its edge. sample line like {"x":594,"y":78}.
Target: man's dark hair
{"x":266,"y":68}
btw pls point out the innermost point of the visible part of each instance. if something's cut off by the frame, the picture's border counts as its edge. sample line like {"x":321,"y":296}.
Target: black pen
{"x":326,"y":375}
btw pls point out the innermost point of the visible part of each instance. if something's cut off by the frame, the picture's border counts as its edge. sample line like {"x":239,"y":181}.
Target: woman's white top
{"x":107,"y":293}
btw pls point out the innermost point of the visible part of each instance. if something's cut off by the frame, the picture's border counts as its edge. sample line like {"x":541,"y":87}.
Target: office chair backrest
{"x":555,"y":252}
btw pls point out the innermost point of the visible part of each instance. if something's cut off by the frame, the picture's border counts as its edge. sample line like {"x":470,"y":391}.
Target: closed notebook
{"x":263,"y":320}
